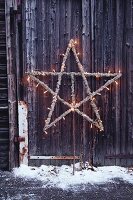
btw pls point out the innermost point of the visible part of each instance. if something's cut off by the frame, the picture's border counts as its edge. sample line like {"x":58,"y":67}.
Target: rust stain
{"x":22,"y":154}
{"x":23,"y":131}
{"x":23,"y":103}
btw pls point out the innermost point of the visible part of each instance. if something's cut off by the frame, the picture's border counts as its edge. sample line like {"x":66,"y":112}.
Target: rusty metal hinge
{"x":19,"y":139}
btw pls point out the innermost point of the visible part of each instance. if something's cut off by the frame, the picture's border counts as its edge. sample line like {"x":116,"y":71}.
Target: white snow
{"x":62,"y":177}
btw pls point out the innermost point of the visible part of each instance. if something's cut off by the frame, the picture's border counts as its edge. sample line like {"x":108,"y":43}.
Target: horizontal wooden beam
{"x":54,"y":157}
{"x":3,"y":107}
{"x":121,"y":156}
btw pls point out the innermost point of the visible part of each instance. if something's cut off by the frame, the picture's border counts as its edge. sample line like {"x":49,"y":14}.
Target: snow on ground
{"x":62,"y":177}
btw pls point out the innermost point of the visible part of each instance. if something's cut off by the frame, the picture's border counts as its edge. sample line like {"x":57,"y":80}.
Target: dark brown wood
{"x":120,"y":156}
{"x":128,"y":63}
{"x":102,"y":24}
{"x":11,"y":73}
{"x":87,"y":62}
{"x":103,"y":30}
{"x":74,"y":147}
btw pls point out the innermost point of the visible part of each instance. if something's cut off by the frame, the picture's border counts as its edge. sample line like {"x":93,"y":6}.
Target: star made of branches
{"x":73,"y":107}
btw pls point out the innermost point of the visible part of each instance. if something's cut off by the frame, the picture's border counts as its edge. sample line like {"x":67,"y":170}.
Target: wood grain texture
{"x":103,"y":30}
{"x":4,"y":118}
{"x":11,"y":74}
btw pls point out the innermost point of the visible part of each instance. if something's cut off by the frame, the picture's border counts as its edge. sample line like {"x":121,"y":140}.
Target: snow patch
{"x":62,"y":177}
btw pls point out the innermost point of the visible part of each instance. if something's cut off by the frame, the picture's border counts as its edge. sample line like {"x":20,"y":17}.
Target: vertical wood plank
{"x":12,"y":104}
{"x":30,"y":64}
{"x":99,"y":32}
{"x":120,"y":138}
{"x":129,"y":78}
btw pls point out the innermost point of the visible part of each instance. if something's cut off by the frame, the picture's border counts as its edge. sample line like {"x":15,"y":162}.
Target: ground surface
{"x":12,"y":188}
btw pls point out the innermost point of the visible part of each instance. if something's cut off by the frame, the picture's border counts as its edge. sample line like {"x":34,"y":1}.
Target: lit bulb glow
{"x":107,"y":88}
{"x":116,"y":82}
{"x":45,"y":92}
{"x":97,"y":75}
{"x":91,"y":125}
{"x":37,"y":85}
{"x":28,"y":79}
{"x":99,"y":94}
{"x":72,"y":109}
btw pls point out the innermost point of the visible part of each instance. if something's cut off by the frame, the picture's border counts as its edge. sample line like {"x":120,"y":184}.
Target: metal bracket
{"x":19,"y":139}
{"x":54,"y":157}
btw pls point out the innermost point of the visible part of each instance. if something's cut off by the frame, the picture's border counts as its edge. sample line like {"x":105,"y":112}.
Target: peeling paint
{"x":23,"y":132}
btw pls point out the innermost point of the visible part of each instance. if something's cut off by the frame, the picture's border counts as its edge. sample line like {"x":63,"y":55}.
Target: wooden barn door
{"x":49,"y":25}
{"x":103,"y":46}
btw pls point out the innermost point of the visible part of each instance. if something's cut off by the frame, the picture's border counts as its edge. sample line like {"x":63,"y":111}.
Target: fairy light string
{"x":73,"y":107}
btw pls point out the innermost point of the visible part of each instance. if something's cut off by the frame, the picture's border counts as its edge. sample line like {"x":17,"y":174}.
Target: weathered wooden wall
{"x":104,"y":31}
{"x":4,"y":127}
{"x":113,"y":47}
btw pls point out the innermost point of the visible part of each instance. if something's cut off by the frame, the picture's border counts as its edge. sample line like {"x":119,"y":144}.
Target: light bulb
{"x":37,"y":85}
{"x":116,"y":82}
{"x":72,"y":109}
{"x":99,"y":93}
{"x":107,"y":88}
{"x":45,"y":92}
{"x":97,"y":75}
{"x":28,"y":79}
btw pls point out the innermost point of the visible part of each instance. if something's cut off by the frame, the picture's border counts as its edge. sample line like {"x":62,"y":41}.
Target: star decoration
{"x":73,"y":107}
